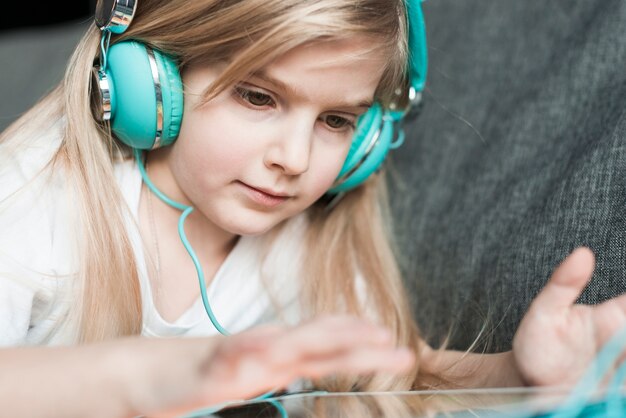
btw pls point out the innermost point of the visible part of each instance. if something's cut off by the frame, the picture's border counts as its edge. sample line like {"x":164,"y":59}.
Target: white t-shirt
{"x":38,"y":260}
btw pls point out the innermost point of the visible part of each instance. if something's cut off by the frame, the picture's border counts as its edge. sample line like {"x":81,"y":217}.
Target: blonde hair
{"x":350,"y":241}
{"x":354,"y":240}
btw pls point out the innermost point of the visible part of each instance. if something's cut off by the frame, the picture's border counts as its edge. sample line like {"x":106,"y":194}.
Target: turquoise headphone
{"x":145,"y":105}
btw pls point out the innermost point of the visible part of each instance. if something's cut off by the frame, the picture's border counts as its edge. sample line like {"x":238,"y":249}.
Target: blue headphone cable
{"x":186,"y":210}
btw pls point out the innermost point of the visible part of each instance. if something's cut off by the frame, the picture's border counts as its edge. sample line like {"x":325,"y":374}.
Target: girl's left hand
{"x":558,"y":339}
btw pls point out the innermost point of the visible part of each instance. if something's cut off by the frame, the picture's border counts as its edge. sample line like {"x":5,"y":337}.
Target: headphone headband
{"x":418,"y":53}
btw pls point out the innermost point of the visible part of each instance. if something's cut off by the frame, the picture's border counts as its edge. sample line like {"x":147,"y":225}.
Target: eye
{"x":254,"y":97}
{"x":337,"y":123}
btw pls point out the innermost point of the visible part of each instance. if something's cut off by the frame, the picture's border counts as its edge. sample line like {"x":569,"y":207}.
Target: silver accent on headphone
{"x":412,"y":110}
{"x":115,"y":15}
{"x":100,"y":95}
{"x":414,"y":106}
{"x":159,"y":96}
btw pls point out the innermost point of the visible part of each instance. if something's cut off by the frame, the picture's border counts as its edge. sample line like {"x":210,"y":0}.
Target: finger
{"x":329,"y":336}
{"x":567,"y":281}
{"x":262,"y":375}
{"x":255,"y":338}
{"x":252,"y":373}
{"x":358,"y":362}
{"x":286,"y":347}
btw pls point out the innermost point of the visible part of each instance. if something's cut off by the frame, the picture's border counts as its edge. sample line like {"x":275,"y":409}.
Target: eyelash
{"x":243,"y":94}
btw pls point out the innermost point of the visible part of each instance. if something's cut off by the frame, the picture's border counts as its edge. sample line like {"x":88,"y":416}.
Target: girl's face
{"x":268,"y":148}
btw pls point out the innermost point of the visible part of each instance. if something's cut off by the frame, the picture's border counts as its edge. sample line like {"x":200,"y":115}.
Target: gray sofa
{"x":518,"y":157}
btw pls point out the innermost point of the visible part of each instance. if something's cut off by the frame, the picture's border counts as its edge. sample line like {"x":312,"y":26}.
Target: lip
{"x":264,"y":197}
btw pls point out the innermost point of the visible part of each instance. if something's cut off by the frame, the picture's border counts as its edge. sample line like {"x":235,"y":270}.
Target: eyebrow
{"x":262,"y":75}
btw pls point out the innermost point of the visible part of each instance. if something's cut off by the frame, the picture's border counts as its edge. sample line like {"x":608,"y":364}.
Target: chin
{"x":249,"y":225}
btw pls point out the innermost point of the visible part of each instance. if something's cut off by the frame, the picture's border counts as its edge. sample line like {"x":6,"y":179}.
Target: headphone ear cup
{"x":172,"y":93}
{"x":369,"y":147}
{"x":366,"y":127}
{"x":135,"y":109}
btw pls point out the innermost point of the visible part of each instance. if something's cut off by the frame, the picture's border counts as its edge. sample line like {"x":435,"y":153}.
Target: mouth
{"x":264,"y":197}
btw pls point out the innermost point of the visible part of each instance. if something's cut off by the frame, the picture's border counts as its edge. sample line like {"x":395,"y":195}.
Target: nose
{"x":290,"y":150}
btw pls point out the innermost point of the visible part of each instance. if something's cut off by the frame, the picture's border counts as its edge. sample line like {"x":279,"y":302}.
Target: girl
{"x":279,"y":223}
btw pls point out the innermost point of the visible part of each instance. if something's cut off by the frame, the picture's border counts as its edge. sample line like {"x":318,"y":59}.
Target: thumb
{"x":567,"y":281}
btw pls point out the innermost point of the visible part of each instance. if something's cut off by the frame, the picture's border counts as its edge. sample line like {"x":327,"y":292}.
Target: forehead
{"x":336,"y":53}
{"x":346,"y":50}
{"x":349,"y":68}
{"x":352,"y":67}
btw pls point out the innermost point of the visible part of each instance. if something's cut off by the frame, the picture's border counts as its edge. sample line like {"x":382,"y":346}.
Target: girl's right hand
{"x":210,"y":371}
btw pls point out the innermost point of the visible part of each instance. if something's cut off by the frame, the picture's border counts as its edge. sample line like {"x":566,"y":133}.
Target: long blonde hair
{"x":350,"y":241}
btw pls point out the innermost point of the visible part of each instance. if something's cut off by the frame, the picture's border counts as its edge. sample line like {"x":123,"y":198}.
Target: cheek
{"x":329,"y":164}
{"x":212,"y":141}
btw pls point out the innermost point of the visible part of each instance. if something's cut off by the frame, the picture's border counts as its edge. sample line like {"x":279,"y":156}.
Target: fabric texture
{"x":518,"y":158}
